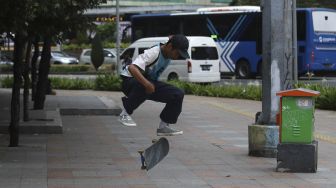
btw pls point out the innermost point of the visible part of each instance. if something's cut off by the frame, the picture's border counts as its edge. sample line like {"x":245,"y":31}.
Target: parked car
{"x":58,"y":57}
{"x":110,"y":56}
{"x":5,"y":60}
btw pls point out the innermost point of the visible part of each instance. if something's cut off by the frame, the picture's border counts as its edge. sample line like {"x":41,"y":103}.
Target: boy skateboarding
{"x":140,"y":83}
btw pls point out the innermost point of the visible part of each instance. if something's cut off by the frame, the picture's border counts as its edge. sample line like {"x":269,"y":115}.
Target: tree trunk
{"x":43,"y":74}
{"x":26,"y":81}
{"x":33,"y":66}
{"x":15,"y":102}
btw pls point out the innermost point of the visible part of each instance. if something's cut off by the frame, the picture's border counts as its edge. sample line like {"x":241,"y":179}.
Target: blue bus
{"x":237,"y":31}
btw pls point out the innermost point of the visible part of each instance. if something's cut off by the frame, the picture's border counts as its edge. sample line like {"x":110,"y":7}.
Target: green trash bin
{"x":297,"y":107}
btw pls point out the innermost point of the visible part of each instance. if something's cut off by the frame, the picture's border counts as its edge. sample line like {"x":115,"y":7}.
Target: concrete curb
{"x":42,"y":122}
{"x":89,"y":112}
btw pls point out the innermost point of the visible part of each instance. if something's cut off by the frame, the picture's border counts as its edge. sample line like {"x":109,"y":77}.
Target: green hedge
{"x":63,"y":69}
{"x":327,"y":99}
{"x":71,"y":84}
{"x":240,"y":92}
{"x":6,"y":68}
{"x":85,"y":46}
{"x":67,"y":69}
{"x":6,"y":82}
{"x":109,"y":82}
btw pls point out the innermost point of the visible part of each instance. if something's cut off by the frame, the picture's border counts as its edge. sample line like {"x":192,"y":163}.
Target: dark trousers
{"x":165,"y":93}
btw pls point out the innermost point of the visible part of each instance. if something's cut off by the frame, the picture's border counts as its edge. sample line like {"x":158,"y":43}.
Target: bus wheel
{"x":172,"y":76}
{"x":243,"y":69}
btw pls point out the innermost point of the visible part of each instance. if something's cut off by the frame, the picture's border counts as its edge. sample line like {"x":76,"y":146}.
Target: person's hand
{"x":150,"y":88}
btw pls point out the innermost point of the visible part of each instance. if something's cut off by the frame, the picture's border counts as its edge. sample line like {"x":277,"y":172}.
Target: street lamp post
{"x":118,"y":38}
{"x":276,"y":74}
{"x":295,"y":61}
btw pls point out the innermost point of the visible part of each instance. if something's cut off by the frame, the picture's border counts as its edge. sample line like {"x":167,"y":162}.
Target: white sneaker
{"x":168,"y":131}
{"x":126,"y":120}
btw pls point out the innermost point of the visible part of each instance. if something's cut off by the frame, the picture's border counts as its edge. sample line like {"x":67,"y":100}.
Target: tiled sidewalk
{"x":98,"y":152}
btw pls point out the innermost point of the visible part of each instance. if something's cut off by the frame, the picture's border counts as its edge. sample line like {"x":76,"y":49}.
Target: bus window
{"x":324,"y":21}
{"x":139,"y":28}
{"x":301,"y":26}
{"x":252,"y":29}
{"x":162,"y":26}
{"x":155,"y":26}
{"x":222,"y":23}
{"x":195,"y":26}
{"x":138,"y":33}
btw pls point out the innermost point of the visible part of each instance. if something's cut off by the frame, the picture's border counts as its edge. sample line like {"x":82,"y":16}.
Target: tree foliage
{"x":107,"y":32}
{"x":24,"y":20}
{"x":97,"y":54}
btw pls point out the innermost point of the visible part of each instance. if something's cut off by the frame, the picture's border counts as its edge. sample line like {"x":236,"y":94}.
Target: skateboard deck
{"x":154,"y":153}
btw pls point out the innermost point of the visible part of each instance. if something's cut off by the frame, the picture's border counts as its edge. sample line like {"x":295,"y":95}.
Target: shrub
{"x":327,"y":98}
{"x":6,"y":82}
{"x":88,"y":69}
{"x":69,"y":68}
{"x":6,"y":68}
{"x":108,"y":82}
{"x":75,"y":47}
{"x":75,"y":84}
{"x":240,"y":92}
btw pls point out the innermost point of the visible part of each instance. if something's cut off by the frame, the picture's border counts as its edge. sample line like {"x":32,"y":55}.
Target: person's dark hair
{"x":181,"y":43}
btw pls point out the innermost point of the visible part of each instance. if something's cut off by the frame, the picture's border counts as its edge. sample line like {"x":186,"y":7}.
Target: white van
{"x":202,"y":67}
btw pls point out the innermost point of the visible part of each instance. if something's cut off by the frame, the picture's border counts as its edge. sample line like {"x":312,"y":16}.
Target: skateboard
{"x":154,"y":153}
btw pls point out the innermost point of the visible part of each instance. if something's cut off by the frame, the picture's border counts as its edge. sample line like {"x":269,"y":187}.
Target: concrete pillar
{"x":276,"y":74}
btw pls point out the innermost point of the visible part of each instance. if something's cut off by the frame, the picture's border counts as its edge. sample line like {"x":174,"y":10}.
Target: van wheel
{"x":243,"y":69}
{"x":172,"y":76}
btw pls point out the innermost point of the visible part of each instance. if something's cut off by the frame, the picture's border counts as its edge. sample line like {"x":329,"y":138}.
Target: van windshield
{"x":201,"y":53}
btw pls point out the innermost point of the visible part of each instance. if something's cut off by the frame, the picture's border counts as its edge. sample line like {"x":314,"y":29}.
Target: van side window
{"x":127,"y":53}
{"x":141,"y":50}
